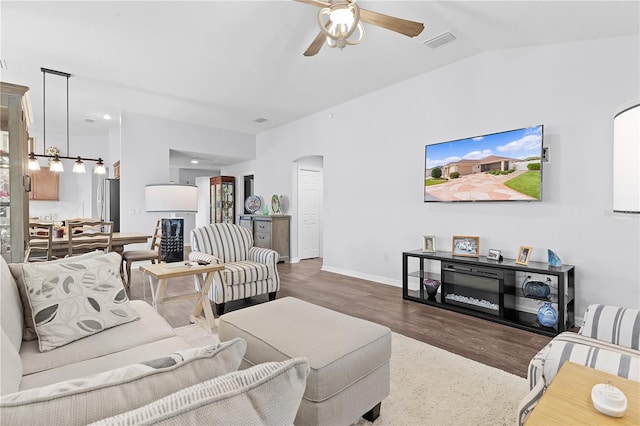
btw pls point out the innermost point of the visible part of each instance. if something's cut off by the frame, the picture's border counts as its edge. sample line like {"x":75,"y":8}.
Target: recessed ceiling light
{"x":106,"y":117}
{"x":194,"y":161}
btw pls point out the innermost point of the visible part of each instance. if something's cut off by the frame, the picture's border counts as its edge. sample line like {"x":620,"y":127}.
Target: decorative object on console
{"x":431,"y":286}
{"x":275,"y":204}
{"x":494,"y":255}
{"x":524,"y":253}
{"x":265,"y":209}
{"x":547,"y":315}
{"x":252,"y":203}
{"x":428,"y":243}
{"x":173,"y":198}
{"x":465,"y":246}
{"x":283,"y":204}
{"x":554,"y":259}
{"x":535,"y":289}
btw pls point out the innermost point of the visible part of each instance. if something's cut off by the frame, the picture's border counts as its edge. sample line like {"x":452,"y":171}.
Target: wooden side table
{"x":567,"y":401}
{"x":159,"y":275}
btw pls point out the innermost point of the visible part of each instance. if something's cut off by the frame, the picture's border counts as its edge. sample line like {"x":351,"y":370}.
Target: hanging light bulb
{"x":33,"y":162}
{"x":56,"y":165}
{"x":78,"y":166}
{"x":100,"y":169}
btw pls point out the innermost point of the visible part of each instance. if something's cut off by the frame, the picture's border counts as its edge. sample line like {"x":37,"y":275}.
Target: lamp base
{"x":173,"y":239}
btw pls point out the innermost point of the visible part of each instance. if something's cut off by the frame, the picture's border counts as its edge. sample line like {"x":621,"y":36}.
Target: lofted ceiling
{"x":225,"y":63}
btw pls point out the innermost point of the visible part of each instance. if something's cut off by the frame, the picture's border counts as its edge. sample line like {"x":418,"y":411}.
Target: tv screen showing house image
{"x":505,"y":166}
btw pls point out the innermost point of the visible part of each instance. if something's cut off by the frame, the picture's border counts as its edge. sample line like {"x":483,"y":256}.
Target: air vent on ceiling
{"x":259,"y":120}
{"x":439,"y":40}
{"x":89,"y":120}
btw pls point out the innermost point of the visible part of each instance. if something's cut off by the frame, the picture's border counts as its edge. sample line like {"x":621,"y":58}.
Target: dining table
{"x":60,"y":245}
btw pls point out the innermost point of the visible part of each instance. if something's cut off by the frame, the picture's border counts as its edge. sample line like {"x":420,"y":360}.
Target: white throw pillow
{"x":29,"y":332}
{"x":267,"y":394}
{"x":91,"y":398}
{"x":72,"y":300}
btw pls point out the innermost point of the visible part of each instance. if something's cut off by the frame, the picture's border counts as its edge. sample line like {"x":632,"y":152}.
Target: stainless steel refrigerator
{"x":109,"y":202}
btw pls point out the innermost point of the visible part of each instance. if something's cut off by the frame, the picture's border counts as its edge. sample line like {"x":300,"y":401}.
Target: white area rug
{"x":430,"y":386}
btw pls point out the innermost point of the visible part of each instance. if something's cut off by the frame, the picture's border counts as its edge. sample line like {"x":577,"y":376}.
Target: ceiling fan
{"x":340,"y":25}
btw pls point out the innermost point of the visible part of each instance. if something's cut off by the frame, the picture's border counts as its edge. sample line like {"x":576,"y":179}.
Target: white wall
{"x":373,"y":151}
{"x":145,"y":145}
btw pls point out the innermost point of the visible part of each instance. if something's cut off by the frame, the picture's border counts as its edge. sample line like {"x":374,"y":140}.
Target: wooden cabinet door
{"x":45,"y":185}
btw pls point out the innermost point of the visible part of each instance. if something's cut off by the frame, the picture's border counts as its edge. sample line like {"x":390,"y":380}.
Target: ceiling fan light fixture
{"x":342,"y":21}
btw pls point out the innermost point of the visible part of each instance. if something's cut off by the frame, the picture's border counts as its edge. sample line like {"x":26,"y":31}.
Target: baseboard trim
{"x":368,"y":277}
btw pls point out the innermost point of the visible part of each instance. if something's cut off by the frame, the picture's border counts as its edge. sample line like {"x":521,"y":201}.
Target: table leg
{"x":204,"y":303}
{"x":158,"y":289}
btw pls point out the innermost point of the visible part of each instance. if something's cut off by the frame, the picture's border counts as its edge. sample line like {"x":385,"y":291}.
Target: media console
{"x":489,"y":289}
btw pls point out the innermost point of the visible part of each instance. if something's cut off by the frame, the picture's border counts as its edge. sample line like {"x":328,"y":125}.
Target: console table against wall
{"x":270,"y":231}
{"x":489,"y":289}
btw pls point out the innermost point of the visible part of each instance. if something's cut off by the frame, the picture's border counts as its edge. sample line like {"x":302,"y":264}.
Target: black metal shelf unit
{"x":489,"y":289}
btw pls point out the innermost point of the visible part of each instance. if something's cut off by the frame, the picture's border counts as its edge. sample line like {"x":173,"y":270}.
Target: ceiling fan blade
{"x":315,"y":3}
{"x":399,"y":25}
{"x":316,"y":45}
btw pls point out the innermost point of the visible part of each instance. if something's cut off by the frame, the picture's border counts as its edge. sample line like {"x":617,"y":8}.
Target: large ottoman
{"x":349,"y":357}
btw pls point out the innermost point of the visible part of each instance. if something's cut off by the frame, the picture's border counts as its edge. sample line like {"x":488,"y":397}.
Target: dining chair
{"x":154,"y":253}
{"x":39,"y":246}
{"x":89,"y":235}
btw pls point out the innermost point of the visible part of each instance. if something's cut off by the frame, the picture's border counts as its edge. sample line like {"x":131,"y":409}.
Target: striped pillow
{"x":268,"y":393}
{"x":620,"y":326}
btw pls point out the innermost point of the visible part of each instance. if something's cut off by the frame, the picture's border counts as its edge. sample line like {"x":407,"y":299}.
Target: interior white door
{"x":309,"y":199}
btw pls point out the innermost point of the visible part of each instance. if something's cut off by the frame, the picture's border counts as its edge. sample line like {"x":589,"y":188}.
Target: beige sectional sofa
{"x":137,"y":369}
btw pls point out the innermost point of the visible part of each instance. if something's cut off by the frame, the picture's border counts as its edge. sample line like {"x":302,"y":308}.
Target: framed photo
{"x":523,"y":255}
{"x":465,"y":246}
{"x":494,"y":254}
{"x":428,"y":243}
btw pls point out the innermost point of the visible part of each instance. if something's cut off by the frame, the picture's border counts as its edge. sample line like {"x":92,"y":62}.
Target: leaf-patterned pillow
{"x":73,"y":300}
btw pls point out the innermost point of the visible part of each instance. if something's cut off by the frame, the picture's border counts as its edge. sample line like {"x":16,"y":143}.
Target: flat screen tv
{"x":505,"y":166}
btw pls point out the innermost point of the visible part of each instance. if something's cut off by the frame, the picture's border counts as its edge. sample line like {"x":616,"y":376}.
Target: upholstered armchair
{"x":249,"y":271}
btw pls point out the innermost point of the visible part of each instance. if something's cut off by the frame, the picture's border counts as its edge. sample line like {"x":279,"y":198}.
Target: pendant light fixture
{"x":55,"y":159}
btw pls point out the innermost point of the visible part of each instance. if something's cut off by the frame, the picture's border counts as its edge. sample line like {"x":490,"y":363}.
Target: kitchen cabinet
{"x":45,"y":185}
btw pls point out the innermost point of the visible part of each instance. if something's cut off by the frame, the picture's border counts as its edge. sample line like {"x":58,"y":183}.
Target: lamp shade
{"x":171,"y":198}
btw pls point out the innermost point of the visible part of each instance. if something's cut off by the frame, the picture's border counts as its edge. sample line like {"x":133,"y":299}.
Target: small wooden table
{"x":159,"y":275}
{"x":567,"y":401}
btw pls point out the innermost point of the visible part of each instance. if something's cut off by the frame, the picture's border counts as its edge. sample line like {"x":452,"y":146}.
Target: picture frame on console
{"x":494,"y":255}
{"x":428,"y":243}
{"x":468,"y":246}
{"x":524,"y":253}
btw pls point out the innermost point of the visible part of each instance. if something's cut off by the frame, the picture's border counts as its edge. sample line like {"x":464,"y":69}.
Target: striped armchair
{"x":609,"y":341}
{"x":249,"y":271}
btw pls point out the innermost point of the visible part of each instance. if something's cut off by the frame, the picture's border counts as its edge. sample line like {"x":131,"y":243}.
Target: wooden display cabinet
{"x":222,"y":199}
{"x":14,"y":183}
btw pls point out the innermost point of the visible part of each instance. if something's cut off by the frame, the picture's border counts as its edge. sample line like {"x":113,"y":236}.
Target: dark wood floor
{"x":500,"y":346}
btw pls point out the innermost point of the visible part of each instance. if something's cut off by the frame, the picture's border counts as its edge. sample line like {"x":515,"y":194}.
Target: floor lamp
{"x":172,"y":198}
